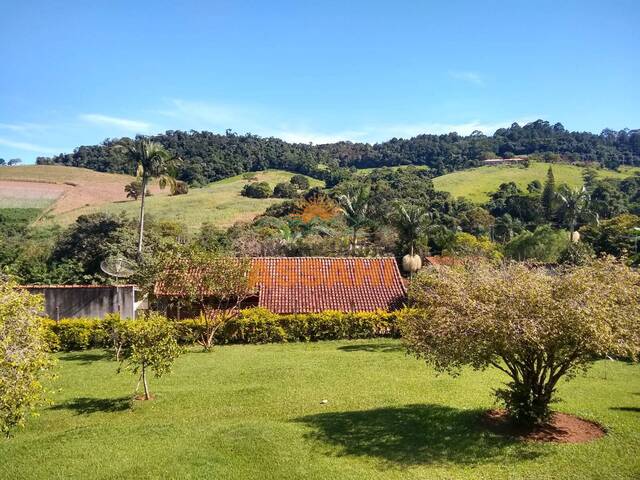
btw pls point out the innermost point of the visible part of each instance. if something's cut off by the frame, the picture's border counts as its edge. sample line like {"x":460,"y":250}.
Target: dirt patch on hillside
{"x":64,"y":189}
{"x":562,"y":428}
{"x":16,"y":190}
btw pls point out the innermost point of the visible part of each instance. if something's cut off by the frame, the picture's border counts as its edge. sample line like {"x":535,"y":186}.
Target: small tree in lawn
{"x":217,"y":285}
{"x":534,"y":326}
{"x":151,"y":348}
{"x":24,"y":357}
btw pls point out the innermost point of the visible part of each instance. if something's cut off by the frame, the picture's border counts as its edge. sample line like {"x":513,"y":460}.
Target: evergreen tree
{"x":548,"y":195}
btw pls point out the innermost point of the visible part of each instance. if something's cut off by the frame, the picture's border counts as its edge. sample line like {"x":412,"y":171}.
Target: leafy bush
{"x":256,"y":190}
{"x":253,"y":325}
{"x":75,"y":334}
{"x":285,"y":190}
{"x":300,"y":181}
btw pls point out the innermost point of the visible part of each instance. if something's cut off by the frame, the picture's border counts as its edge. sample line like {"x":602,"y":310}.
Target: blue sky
{"x":74,"y":73}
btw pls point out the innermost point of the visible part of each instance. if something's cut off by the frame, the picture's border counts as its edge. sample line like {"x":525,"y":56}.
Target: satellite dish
{"x":118,"y":267}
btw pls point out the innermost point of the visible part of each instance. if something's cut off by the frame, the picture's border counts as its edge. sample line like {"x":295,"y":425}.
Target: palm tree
{"x":411,"y":222}
{"x":574,"y":204}
{"x":152,"y":160}
{"x":355,"y":206}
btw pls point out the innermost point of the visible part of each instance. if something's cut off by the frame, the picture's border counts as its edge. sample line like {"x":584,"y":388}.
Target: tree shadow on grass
{"x":416,"y":434}
{"x":627,"y":409}
{"x":371,"y":347}
{"x":87,"y":406}
{"x":86,"y":357}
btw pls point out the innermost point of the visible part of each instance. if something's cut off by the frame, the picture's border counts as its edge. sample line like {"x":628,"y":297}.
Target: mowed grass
{"x":219,"y":203}
{"x":244,"y":412}
{"x":475,"y":184}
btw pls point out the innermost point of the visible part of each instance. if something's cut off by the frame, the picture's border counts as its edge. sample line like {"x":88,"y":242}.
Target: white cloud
{"x":468,"y":76}
{"x":127,"y":124}
{"x":29,"y":147}
{"x":23,"y":127}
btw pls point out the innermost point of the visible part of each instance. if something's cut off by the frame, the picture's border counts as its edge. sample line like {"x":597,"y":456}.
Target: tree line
{"x":208,"y":156}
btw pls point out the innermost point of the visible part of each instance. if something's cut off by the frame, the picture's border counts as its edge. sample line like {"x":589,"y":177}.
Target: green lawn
{"x":476,"y":183}
{"x":243,"y":412}
{"x":219,"y":202}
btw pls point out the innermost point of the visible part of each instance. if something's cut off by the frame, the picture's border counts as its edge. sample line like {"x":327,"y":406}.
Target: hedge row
{"x":254,"y":325}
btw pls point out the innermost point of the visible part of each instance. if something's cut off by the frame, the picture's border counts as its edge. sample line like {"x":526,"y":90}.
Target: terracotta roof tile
{"x":316,"y":284}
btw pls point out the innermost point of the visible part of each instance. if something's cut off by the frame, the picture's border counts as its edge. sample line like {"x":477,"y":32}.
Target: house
{"x":288,"y":285}
{"x":503,"y":161}
{"x":95,"y":301}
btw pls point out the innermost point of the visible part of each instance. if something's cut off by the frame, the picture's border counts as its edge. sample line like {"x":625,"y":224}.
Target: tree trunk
{"x":354,"y":239}
{"x":141,"y":225}
{"x":144,"y":382}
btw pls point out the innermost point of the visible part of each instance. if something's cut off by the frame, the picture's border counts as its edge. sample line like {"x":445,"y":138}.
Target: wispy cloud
{"x":467,"y":76}
{"x":23,"y":127}
{"x":135,"y":126}
{"x":29,"y":147}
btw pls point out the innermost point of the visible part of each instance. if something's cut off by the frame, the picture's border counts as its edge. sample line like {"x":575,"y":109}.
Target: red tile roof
{"x":315,"y":284}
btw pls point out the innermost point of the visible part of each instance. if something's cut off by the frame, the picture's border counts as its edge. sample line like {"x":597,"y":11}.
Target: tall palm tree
{"x":411,"y":221}
{"x":355,"y":207}
{"x":574,"y":204}
{"x":152,"y":160}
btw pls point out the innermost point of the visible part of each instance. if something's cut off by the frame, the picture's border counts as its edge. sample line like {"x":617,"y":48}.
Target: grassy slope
{"x":45,"y":187}
{"x":219,"y":202}
{"x":254,"y":412}
{"x":475,"y":183}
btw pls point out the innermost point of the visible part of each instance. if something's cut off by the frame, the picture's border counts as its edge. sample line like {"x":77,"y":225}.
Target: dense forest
{"x":208,"y":156}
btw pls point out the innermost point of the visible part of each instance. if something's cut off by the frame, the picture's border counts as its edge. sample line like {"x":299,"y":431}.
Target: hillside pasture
{"x":61,"y":190}
{"x":220,"y":203}
{"x":475,"y":184}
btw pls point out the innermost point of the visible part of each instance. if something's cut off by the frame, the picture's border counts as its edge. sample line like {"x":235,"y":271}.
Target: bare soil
{"x":562,"y":428}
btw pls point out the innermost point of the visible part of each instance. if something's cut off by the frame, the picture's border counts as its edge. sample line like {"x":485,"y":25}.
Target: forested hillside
{"x":208,"y":156}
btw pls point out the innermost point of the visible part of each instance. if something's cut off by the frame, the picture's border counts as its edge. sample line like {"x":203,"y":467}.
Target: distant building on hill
{"x":503,"y":161}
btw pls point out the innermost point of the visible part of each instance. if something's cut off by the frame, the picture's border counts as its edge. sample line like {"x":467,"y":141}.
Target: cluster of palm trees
{"x":411,"y":221}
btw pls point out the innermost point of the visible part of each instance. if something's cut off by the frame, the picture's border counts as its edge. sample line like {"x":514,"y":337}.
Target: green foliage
{"x":252,"y":325}
{"x":466,"y":245}
{"x":549,"y":195}
{"x":544,"y":244}
{"x":134,"y":189}
{"x":209,"y":157}
{"x":616,"y":236}
{"x":300,"y":182}
{"x":286,"y":190}
{"x":24,"y":358}
{"x":151,"y":347}
{"x":534,"y":326}
{"x":76,"y":334}
{"x":256,"y":190}
{"x":577,"y":253}
{"x":179,"y":188}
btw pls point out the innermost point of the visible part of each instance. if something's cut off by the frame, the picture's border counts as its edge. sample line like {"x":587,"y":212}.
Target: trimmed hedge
{"x":254,"y":325}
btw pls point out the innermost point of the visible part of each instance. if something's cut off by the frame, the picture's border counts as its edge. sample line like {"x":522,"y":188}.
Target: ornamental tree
{"x":151,"y":347}
{"x":535,"y":326}
{"x":215,"y":284}
{"x":24,"y":357}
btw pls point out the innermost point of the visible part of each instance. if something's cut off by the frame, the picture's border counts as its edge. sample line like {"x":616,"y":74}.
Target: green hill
{"x":476,"y":183}
{"x":219,"y":202}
